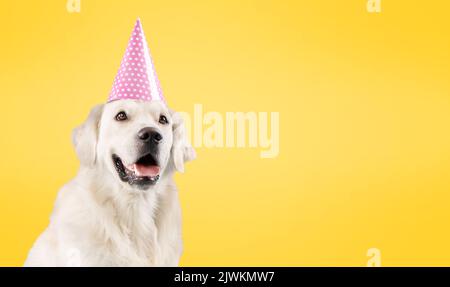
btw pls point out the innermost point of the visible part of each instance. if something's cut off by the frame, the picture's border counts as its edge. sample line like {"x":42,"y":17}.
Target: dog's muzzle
{"x":145,"y":171}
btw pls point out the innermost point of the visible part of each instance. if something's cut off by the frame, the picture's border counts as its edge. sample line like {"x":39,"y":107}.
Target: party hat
{"x":136,"y":78}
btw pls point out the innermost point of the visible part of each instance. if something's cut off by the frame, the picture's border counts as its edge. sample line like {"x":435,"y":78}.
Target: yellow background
{"x":364,"y":102}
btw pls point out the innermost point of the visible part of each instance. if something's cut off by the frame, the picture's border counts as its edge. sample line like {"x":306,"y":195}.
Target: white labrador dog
{"x":122,"y":208}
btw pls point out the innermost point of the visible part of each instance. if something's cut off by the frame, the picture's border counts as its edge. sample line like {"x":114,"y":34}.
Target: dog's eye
{"x":121,"y":116}
{"x":163,"y":120}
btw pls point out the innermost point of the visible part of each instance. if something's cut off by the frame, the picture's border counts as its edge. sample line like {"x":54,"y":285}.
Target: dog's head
{"x":137,"y":142}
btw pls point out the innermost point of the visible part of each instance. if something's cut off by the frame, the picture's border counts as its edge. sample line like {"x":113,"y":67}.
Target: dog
{"x":122,"y":208}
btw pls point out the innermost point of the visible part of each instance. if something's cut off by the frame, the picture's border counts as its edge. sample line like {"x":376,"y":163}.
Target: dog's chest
{"x":128,"y":238}
{"x":134,"y":251}
{"x":145,"y":249}
{"x":136,"y":234}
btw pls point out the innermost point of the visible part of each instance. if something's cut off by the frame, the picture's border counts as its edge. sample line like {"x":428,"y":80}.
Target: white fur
{"x":98,"y":220}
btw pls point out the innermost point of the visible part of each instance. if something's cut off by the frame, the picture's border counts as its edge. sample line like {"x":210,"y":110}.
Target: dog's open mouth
{"x":144,"y":172}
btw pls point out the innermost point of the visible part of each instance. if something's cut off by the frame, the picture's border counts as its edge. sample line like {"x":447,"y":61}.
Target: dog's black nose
{"x":149,"y":135}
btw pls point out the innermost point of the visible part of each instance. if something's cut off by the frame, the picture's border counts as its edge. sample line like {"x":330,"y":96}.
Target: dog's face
{"x":138,"y":142}
{"x":136,"y":139}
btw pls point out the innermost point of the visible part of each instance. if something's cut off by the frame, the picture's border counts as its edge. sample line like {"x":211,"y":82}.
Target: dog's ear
{"x":182,"y":150}
{"x":84,"y":137}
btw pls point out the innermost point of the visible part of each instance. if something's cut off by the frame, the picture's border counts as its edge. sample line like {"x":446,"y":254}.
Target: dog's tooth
{"x":136,"y":170}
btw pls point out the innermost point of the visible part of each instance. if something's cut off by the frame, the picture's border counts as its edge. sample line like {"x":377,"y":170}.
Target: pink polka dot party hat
{"x":136,"y":78}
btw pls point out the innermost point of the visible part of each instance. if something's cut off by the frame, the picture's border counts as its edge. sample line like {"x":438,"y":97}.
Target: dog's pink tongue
{"x":142,"y":170}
